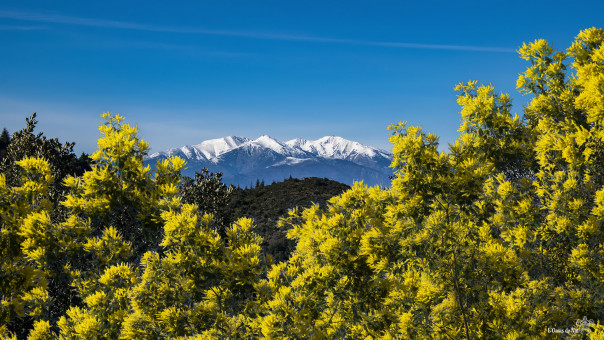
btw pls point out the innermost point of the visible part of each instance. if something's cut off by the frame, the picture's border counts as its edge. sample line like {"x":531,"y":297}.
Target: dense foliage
{"x":264,"y":204}
{"x":499,"y":238}
{"x":4,"y":141}
{"x":61,"y":163}
{"x":210,"y":195}
{"x":267,"y":203}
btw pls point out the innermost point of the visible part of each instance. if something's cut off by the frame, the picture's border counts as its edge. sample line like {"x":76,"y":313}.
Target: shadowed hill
{"x":266,"y":203}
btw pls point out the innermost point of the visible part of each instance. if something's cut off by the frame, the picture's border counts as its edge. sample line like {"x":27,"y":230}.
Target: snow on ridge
{"x":213,"y":148}
{"x":340,"y":148}
{"x":268,"y":142}
{"x":296,"y":143}
{"x":329,"y":147}
{"x":208,"y":149}
{"x":243,"y":160}
{"x":166,"y":153}
{"x":292,"y":161}
{"x":187,"y":151}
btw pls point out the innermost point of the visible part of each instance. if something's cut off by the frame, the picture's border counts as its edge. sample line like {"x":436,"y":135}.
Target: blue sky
{"x":189,"y":71}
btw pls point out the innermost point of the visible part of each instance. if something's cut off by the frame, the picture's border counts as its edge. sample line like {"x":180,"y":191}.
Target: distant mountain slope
{"x":242,"y":161}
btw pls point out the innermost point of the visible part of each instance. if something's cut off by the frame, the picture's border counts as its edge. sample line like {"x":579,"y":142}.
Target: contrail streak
{"x":91,"y":22}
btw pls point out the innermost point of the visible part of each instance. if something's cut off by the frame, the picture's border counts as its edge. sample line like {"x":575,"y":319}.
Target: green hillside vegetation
{"x":265,"y":204}
{"x":501,"y":237}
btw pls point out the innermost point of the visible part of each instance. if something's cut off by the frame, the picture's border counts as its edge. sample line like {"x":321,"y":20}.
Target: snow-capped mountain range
{"x":242,"y":161}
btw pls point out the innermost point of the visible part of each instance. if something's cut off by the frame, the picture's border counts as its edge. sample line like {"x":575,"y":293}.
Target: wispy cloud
{"x":91,"y":22}
{"x":190,"y":49}
{"x":21,"y":28}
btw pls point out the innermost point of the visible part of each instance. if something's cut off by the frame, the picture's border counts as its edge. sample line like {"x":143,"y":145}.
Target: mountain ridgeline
{"x":243,"y":161}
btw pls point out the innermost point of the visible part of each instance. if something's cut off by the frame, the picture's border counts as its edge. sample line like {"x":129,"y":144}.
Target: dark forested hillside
{"x":4,"y":141}
{"x":266,"y":203}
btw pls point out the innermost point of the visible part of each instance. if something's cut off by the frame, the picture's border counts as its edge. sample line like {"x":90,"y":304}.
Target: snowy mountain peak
{"x":338,"y":148}
{"x":225,"y":142}
{"x":331,"y":139}
{"x":215,"y":147}
{"x":296,"y":143}
{"x":268,"y":142}
{"x":208,"y":149}
{"x":243,"y":160}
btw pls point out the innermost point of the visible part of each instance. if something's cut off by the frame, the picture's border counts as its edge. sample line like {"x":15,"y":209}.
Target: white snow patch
{"x":292,"y":161}
{"x":213,"y":148}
